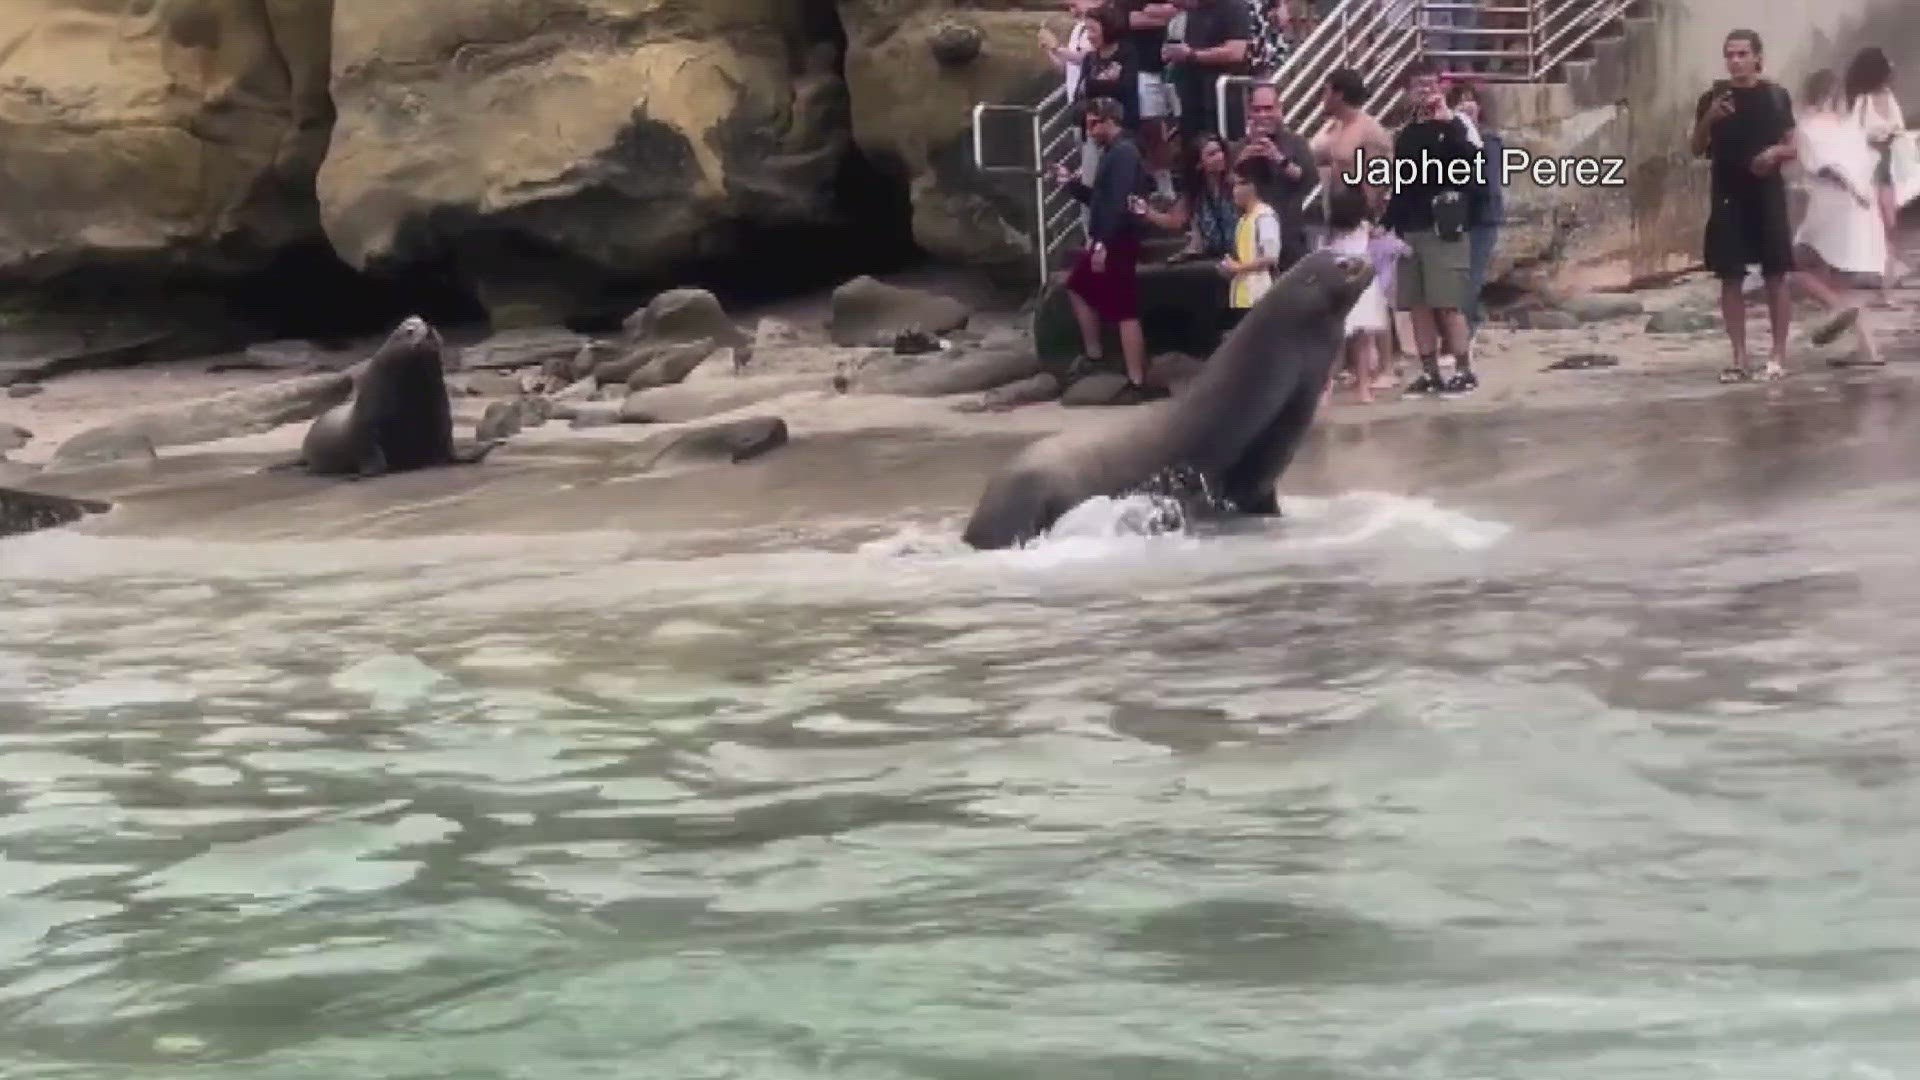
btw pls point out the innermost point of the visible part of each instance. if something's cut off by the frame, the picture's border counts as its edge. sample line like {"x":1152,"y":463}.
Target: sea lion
{"x":398,"y":417}
{"x":1234,"y":429}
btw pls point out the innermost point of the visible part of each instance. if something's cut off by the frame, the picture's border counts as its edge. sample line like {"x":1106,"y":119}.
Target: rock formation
{"x":156,"y":137}
{"x":545,"y":154}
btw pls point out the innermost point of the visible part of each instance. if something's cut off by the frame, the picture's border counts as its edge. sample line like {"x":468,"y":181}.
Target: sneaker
{"x":1463,"y":382}
{"x":1425,"y":384}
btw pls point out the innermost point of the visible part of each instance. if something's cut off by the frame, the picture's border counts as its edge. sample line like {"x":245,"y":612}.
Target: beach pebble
{"x":1680,"y":321}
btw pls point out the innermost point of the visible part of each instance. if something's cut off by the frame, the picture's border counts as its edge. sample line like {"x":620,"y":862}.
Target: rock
{"x":560,"y":371}
{"x":1100,"y":388}
{"x":1545,"y":319}
{"x":502,"y":419}
{"x":915,"y":342}
{"x":520,"y":348}
{"x":13,"y":437}
{"x":697,"y":401}
{"x":1583,"y":362}
{"x":286,"y":356}
{"x":967,"y":373}
{"x":535,"y":411}
{"x":491,"y":384}
{"x":1601,"y":307}
{"x":732,"y":441}
{"x":684,"y":315}
{"x":1173,"y":370}
{"x":618,"y":369}
{"x":29,"y":511}
{"x":672,"y":364}
{"x":248,"y":411}
{"x":953,"y":42}
{"x":587,"y":414}
{"x":25,"y":390}
{"x":165,"y":141}
{"x":910,"y":108}
{"x":1028,"y":391}
{"x":772,"y":333}
{"x":39,"y":356}
{"x":579,"y":391}
{"x":1681,"y":321}
{"x":103,"y":446}
{"x":869,"y":312}
{"x":555,"y":151}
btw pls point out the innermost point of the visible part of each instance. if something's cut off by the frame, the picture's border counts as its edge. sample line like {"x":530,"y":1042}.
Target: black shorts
{"x":1749,"y":228}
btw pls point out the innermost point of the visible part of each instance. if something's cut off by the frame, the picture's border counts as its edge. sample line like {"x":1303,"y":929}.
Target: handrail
{"x":1492,"y":40}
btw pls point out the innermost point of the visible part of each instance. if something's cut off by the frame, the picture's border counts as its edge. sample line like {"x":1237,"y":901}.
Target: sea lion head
{"x":1322,"y":286}
{"x":416,"y":332}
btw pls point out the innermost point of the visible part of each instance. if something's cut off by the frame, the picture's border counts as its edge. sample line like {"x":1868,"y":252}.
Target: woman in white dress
{"x":1349,"y":232}
{"x":1841,"y":240}
{"x":1870,"y":99}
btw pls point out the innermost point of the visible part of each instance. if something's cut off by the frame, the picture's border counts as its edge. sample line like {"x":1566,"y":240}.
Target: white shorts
{"x":1156,"y":97}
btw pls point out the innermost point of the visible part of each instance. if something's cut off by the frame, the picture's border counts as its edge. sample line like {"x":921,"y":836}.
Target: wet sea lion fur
{"x":1236,"y":426}
{"x":398,"y":418}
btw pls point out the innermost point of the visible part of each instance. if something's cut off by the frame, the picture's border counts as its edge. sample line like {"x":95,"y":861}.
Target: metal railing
{"x":1490,"y":41}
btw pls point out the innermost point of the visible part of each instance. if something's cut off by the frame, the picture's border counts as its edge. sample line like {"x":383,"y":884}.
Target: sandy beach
{"x":1662,"y":343}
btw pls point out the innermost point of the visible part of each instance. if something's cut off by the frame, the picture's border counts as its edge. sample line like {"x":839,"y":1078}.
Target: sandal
{"x":1735,"y":375}
{"x":1773,"y":372}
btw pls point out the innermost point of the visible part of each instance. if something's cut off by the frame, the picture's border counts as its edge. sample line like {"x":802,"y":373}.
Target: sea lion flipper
{"x":372,"y":463}
{"x":296,"y":464}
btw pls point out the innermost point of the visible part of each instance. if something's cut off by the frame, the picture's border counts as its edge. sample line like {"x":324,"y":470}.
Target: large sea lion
{"x":398,"y":418}
{"x":1235,"y":428}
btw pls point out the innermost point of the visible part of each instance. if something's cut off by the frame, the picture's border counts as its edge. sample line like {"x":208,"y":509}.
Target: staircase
{"x":1520,"y":41}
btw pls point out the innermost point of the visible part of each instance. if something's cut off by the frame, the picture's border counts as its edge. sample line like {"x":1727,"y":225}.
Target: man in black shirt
{"x":1219,"y":33}
{"x":1147,"y":35}
{"x":1744,"y":124}
{"x":1437,"y":169}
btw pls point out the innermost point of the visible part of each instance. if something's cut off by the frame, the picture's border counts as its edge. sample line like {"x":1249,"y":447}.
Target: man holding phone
{"x":1744,"y":125}
{"x":1432,"y":213}
{"x":1285,"y":171}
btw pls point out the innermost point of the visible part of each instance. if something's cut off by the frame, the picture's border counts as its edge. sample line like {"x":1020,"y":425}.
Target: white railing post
{"x":1040,"y":240}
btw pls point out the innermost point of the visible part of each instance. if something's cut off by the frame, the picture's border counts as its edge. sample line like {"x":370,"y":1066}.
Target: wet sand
{"x":849,"y":452}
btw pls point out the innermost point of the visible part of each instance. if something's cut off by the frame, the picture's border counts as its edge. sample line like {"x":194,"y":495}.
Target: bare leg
{"x":1133,"y":350}
{"x":1890,"y":214}
{"x":1387,"y":355}
{"x":1452,"y":325}
{"x":1780,"y":320}
{"x":1733,"y":312}
{"x":1089,"y":326}
{"x":1425,"y":333}
{"x":1832,"y":293}
{"x":1361,"y":346}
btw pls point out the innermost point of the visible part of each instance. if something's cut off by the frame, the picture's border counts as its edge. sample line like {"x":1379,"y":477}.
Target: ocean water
{"x":1572,"y":746}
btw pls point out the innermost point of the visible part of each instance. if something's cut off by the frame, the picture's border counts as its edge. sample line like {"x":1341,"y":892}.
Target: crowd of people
{"x":1850,"y":140}
{"x":1156,"y":158}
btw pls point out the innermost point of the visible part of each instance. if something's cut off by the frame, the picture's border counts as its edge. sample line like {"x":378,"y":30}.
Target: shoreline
{"x":791,"y":375}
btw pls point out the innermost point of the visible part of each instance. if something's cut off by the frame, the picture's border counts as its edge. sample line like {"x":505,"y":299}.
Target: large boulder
{"x":553,"y":147}
{"x":149,"y":137}
{"x":912,"y":111}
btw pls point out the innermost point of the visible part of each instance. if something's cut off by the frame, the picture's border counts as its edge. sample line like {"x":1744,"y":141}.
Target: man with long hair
{"x":1744,"y":125}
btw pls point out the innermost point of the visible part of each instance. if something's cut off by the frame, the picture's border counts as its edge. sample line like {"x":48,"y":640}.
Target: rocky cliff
{"x":539,"y":156}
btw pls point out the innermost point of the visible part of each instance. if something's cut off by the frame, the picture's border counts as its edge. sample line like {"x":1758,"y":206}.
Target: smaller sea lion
{"x":398,"y":418}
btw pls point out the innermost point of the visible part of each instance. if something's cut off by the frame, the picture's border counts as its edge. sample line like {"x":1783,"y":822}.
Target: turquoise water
{"x":1544,"y":771}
